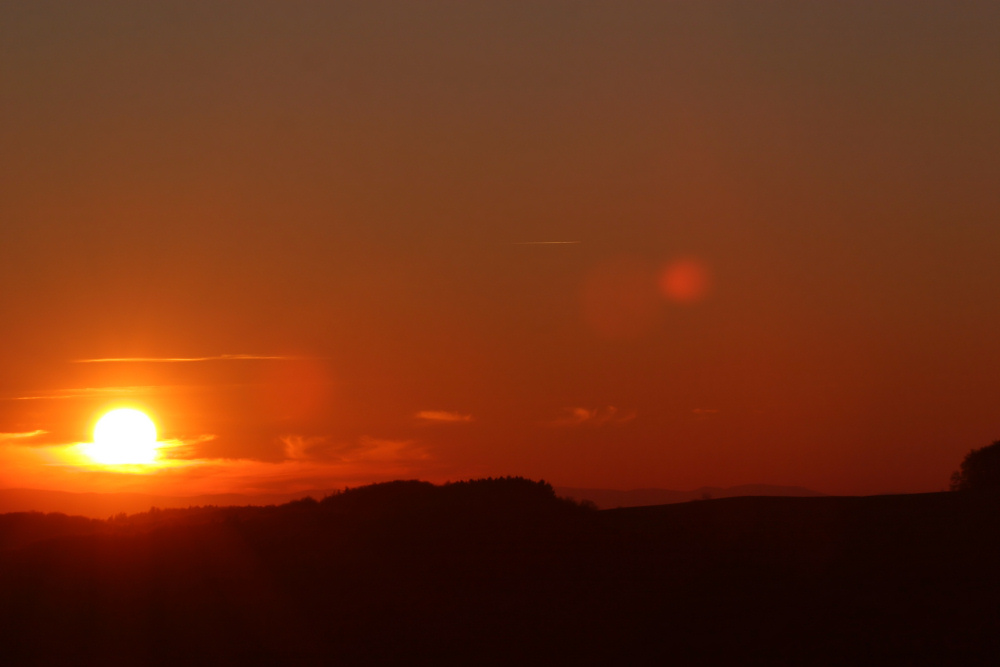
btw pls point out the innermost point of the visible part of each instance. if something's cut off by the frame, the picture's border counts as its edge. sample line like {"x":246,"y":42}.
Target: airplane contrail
{"x":546,"y":242}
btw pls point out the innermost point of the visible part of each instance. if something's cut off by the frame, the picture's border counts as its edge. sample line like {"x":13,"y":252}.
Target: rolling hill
{"x":503,"y":572}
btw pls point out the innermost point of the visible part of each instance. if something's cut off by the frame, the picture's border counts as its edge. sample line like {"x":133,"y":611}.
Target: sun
{"x":124,"y":437}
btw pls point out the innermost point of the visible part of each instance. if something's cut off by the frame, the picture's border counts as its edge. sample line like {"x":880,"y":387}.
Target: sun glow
{"x":124,"y":437}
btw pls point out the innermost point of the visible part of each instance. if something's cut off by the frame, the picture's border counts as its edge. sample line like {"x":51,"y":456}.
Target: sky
{"x":606,"y":244}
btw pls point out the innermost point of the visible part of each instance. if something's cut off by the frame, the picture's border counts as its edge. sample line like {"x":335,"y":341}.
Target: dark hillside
{"x":501,"y":571}
{"x":611,"y":499}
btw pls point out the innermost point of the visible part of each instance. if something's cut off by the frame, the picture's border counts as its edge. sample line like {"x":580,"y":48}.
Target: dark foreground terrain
{"x":503,"y":572}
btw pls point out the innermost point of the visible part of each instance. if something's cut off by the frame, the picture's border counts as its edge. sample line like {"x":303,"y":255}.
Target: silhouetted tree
{"x":979,"y":470}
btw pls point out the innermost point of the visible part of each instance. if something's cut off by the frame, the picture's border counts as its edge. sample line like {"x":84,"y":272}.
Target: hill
{"x":503,"y":571}
{"x":610,"y":499}
{"x":104,"y":505}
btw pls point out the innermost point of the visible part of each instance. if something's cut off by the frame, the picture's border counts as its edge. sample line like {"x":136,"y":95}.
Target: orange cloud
{"x":595,"y":416}
{"x":299,"y":447}
{"x":4,"y":437}
{"x":443,"y":416}
{"x":89,"y":392}
{"x":314,"y":463}
{"x":220,"y":357}
{"x":383,"y":450}
{"x":311,"y":463}
{"x":546,"y":243}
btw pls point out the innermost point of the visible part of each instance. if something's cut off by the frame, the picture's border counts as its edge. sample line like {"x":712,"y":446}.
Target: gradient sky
{"x":317,"y":222}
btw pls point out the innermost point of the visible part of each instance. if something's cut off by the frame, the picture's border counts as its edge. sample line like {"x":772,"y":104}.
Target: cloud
{"x":300,"y":447}
{"x":595,"y":416}
{"x":88,"y":392}
{"x":183,"y":450}
{"x":4,"y":437}
{"x":174,"y":360}
{"x":443,"y":417}
{"x":385,"y":450}
{"x":311,"y":463}
{"x":366,"y":449}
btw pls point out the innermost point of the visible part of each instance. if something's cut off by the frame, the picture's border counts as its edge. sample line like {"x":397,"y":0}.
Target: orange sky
{"x":317,"y":225}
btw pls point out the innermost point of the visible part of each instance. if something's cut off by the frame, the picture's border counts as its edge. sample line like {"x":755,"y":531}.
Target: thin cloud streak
{"x":382,"y":451}
{"x":580,"y":416}
{"x":299,"y":447}
{"x":20,"y":436}
{"x":309,"y":464}
{"x":365,"y":450}
{"x":181,"y":360}
{"x":85,"y":392}
{"x":443,"y":416}
{"x":546,"y":242}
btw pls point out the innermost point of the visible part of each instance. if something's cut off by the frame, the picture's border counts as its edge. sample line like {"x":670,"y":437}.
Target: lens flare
{"x":685,"y":281}
{"x":124,"y":437}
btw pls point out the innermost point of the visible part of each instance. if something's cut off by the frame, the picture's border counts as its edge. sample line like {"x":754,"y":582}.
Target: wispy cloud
{"x":546,"y":242}
{"x":322,"y":450}
{"x":595,"y":416}
{"x":325,"y":465}
{"x":182,"y":360}
{"x":384,"y":450}
{"x":443,"y":417}
{"x":312,"y":462}
{"x":87,"y":392}
{"x":300,"y":447}
{"x":4,"y":437}
{"x":184,"y":450}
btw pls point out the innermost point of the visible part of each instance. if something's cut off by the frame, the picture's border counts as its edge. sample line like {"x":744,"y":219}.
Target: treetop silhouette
{"x":979,"y":470}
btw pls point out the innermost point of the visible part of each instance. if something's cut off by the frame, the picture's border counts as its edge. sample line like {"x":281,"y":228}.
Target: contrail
{"x":546,"y":242}
{"x":221,"y":357}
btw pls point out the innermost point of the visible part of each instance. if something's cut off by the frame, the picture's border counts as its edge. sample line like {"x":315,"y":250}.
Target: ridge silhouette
{"x":502,"y":571}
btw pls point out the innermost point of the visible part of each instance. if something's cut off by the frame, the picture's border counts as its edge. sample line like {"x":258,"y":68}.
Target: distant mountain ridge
{"x":610,"y":499}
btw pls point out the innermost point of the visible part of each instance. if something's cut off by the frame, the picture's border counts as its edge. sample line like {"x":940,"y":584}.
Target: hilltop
{"x":612,"y":498}
{"x":103,"y":505}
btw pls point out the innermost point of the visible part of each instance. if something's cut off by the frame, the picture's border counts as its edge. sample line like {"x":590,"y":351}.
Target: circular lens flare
{"x":124,"y":436}
{"x":685,"y":281}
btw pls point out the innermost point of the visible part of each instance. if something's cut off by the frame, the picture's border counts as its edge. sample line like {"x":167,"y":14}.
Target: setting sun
{"x":124,"y":436}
